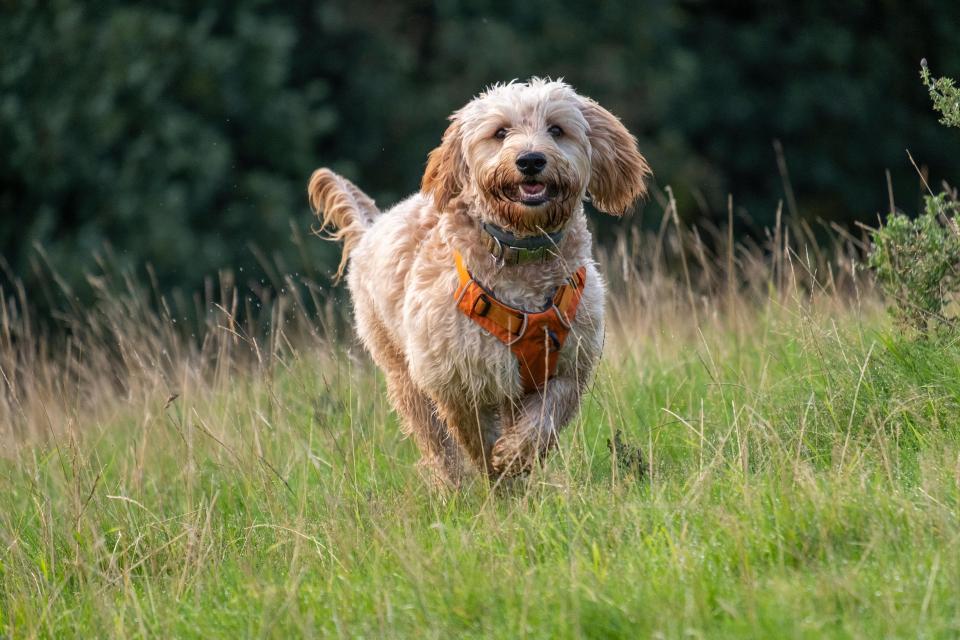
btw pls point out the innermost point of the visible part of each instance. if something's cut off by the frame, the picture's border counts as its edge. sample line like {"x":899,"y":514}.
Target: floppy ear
{"x":446,"y":168}
{"x":617,"y":170}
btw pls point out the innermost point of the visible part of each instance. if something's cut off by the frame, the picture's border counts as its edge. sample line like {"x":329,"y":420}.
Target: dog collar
{"x":510,"y":249}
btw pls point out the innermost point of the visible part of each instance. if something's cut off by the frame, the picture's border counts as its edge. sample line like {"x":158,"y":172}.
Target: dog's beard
{"x":514,"y":202}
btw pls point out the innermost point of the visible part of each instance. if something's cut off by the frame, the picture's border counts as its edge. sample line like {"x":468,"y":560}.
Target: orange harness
{"x":534,"y":338}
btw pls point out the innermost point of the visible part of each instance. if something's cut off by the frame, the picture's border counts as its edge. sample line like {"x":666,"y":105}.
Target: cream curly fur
{"x":457,"y":388}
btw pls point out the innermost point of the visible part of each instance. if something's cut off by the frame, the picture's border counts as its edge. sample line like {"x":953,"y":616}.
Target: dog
{"x":478,"y":296}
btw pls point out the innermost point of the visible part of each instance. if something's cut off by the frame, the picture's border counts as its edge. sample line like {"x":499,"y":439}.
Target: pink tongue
{"x":531,"y":189}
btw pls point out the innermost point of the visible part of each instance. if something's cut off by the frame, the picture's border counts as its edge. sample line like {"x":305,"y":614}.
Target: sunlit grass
{"x":803,"y":480}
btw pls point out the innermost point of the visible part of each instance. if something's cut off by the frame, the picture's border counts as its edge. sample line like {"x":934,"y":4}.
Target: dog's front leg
{"x":529,"y":428}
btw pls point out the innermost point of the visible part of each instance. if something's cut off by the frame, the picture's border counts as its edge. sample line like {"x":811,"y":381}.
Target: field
{"x":800,"y":475}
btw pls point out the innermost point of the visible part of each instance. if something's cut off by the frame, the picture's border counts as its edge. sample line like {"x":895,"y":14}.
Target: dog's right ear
{"x":446,"y":168}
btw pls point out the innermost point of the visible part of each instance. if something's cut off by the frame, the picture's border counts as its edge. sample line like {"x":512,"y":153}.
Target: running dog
{"x":478,"y":296}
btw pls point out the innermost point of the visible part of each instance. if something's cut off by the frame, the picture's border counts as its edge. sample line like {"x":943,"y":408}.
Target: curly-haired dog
{"x":478,"y":296}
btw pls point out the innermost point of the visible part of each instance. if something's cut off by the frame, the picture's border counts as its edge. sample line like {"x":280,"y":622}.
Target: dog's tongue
{"x":532,"y":188}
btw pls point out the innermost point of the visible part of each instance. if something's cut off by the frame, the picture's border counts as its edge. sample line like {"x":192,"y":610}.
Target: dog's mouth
{"x":533,"y":193}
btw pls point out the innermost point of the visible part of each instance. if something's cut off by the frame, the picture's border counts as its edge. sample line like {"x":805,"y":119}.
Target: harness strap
{"x":534,"y":338}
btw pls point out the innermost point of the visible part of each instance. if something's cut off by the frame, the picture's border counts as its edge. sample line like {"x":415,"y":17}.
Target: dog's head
{"x":527,"y":154}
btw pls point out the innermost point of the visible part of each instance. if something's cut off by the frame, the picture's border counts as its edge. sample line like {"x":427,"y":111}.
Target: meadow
{"x":800,"y":474}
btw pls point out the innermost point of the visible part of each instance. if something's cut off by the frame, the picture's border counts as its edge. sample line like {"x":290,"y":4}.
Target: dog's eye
{"x":500,"y":134}
{"x":555,"y":131}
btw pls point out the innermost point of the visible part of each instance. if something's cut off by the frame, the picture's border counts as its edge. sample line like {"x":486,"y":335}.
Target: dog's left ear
{"x":617,"y":170}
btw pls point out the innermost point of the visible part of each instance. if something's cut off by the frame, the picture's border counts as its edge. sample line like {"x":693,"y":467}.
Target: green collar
{"x":511,"y":249}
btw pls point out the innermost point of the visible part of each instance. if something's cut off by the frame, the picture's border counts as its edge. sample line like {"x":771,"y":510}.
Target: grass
{"x":803,"y":474}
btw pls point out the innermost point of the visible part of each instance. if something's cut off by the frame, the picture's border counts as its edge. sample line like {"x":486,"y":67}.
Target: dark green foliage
{"x":183,"y":133}
{"x":833,"y":82}
{"x":179,"y":139}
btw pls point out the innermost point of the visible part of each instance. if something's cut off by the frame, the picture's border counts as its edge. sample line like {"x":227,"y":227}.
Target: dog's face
{"x":527,"y":153}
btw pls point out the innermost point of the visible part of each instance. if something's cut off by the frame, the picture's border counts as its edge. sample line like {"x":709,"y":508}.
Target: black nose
{"x":531,"y":163}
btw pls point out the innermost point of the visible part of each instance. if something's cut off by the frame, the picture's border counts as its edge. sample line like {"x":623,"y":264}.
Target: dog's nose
{"x":531,"y":163}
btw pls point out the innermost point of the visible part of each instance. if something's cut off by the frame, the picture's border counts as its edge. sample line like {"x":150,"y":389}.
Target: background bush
{"x":917,"y":261}
{"x":182,"y":134}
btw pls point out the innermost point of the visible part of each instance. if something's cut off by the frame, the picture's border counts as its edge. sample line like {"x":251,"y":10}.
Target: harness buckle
{"x":481,"y":307}
{"x":520,"y":334}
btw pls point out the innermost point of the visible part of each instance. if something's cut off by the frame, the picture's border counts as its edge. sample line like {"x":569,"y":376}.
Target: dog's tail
{"x":341,"y":204}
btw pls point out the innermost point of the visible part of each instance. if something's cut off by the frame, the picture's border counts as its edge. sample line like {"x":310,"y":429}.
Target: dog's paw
{"x":514,"y":455}
{"x":509,"y":458}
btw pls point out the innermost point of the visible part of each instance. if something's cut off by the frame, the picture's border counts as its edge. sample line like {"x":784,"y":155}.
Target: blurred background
{"x":175,"y":139}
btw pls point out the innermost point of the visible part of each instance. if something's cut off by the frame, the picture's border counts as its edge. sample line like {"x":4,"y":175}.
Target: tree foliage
{"x":182,"y":134}
{"x":178,"y":139}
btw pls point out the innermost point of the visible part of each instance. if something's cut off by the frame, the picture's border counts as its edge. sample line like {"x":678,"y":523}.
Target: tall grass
{"x":247,"y":478}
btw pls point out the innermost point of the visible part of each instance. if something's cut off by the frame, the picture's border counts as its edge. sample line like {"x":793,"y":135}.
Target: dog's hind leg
{"x":441,"y":456}
{"x":441,"y":459}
